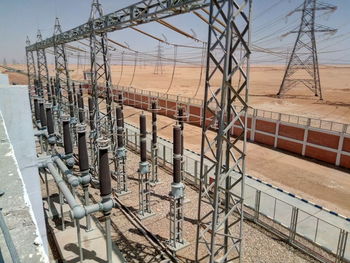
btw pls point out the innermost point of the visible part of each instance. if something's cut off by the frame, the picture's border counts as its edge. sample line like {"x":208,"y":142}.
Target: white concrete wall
{"x":4,"y":80}
{"x":15,"y":108}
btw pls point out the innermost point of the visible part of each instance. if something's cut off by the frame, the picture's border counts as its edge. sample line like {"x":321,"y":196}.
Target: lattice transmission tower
{"x":303,"y":68}
{"x":158,"y":69}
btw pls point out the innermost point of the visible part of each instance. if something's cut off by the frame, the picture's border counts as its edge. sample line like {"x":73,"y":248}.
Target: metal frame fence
{"x":300,"y":228}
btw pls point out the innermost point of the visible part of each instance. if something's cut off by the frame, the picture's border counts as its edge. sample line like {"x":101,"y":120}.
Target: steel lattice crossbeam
{"x":139,"y":13}
{"x":220,"y":210}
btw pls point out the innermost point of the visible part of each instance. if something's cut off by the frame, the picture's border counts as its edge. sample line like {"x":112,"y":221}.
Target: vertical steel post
{"x":43,"y":72}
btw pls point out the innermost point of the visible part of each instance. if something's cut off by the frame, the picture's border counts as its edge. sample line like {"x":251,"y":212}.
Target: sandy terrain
{"x":319,"y":183}
{"x":264,"y":84}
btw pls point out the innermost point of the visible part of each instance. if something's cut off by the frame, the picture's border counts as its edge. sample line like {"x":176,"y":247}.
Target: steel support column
{"x":31,"y":72}
{"x":101,"y":78}
{"x":43,"y":72}
{"x":220,"y":208}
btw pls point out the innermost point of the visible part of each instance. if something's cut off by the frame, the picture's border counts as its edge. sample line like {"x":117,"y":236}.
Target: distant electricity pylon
{"x":303,"y":66}
{"x":159,"y":65}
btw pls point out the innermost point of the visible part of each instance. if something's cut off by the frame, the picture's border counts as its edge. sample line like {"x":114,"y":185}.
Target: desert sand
{"x":264,"y":84}
{"x":324,"y":185}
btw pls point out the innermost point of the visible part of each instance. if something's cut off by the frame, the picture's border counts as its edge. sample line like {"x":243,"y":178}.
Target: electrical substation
{"x":104,"y":172}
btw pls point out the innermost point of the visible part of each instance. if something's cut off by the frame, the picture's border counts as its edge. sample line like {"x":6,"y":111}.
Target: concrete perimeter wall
{"x":15,"y":109}
{"x":318,"y":139}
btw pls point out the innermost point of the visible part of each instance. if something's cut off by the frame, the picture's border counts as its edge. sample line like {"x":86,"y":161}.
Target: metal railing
{"x":288,"y":118}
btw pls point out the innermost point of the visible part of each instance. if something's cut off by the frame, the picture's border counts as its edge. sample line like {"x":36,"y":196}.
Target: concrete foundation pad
{"x":155,"y":183}
{"x":123,"y":193}
{"x":145,"y":215}
{"x":93,"y":242}
{"x":178,"y":246}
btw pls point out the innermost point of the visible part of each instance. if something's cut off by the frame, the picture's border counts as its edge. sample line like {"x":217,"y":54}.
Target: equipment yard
{"x":190,"y":131}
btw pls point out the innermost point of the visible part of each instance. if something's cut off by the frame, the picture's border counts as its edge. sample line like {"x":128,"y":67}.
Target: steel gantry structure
{"x":222,"y":167}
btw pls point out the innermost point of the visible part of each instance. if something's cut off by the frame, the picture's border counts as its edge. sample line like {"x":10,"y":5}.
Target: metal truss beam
{"x":143,"y":12}
{"x":222,"y":169}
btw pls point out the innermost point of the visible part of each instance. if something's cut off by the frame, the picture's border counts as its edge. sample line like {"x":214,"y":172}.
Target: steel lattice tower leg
{"x":220,"y":208}
{"x":101,"y":75}
{"x":62,"y":83}
{"x":31,"y":71}
{"x":303,"y":65}
{"x":43,"y":72}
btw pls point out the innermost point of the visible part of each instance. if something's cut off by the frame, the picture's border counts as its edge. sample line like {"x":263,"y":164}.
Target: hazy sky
{"x":19,"y":18}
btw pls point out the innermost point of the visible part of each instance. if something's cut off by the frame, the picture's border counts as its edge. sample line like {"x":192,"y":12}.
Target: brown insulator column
{"x":67,"y":140}
{"x":81,"y":90}
{"x":177,"y":154}
{"x":104,"y":172}
{"x":154,"y":123}
{"x":144,"y":171}
{"x":36,"y":88}
{"x":143,"y":132}
{"x":122,"y":184}
{"x":36,"y":109}
{"x":120,"y":100}
{"x":49,"y":98}
{"x":181,"y":122}
{"x":176,"y":214}
{"x":154,"y":146}
{"x":105,"y":192}
{"x":74,"y":96}
{"x":53,"y":92}
{"x":82,"y":148}
{"x":42,"y":115}
{"x":91,"y":114}
{"x":50,"y":127}
{"x":49,"y":118}
{"x":119,"y":115}
{"x":81,"y":108}
{"x":71,"y":104}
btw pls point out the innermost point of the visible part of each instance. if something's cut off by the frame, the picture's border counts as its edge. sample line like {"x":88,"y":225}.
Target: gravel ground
{"x":259,"y":245}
